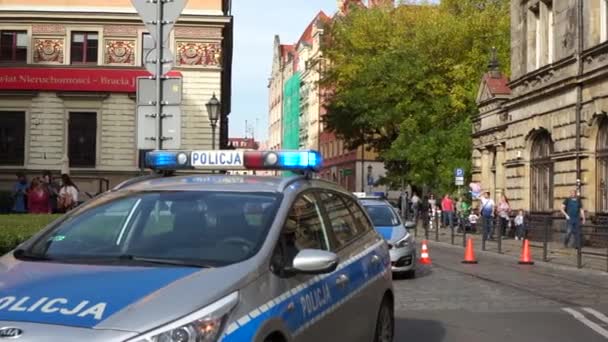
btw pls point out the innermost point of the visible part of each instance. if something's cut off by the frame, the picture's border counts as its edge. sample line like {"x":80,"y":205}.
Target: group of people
{"x":43,"y":195}
{"x":489,"y":210}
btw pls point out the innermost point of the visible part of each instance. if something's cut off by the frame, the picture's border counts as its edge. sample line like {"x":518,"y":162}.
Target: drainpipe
{"x":579,"y":91}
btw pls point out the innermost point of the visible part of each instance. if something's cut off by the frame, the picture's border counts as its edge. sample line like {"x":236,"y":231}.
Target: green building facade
{"x":291,"y":113}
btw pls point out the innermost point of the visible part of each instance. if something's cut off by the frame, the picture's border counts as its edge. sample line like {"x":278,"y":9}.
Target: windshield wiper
{"x":162,"y":261}
{"x":25,"y":255}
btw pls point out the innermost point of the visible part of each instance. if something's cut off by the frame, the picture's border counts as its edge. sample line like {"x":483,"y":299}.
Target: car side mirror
{"x":314,"y":261}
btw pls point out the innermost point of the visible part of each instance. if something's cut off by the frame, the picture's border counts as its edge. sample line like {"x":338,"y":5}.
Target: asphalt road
{"x":499,"y":300}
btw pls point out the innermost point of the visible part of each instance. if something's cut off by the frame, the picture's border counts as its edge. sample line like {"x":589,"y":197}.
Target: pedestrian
{"x":504,"y":210}
{"x":487,"y":215}
{"x":462,"y":208}
{"x":433,"y":210}
{"x":20,"y":194}
{"x":572,"y":208}
{"x":415,"y":206}
{"x":473,"y":220}
{"x":520,"y":227}
{"x":424,"y":213}
{"x":68,"y":194}
{"x":52,"y":188}
{"x":447,"y":208}
{"x":38,"y":198}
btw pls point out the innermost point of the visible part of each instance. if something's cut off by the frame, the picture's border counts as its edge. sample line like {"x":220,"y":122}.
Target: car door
{"x":353,"y":242}
{"x":310,"y":298}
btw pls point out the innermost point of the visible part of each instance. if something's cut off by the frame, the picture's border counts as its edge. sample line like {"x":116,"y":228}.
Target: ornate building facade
{"x":67,"y":84}
{"x":544,"y":132}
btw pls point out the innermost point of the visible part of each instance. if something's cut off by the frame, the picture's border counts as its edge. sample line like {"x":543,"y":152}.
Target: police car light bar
{"x":309,"y":160}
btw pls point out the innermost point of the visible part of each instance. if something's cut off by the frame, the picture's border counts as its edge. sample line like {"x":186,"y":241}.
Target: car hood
{"x":124,"y":298}
{"x":392,"y":234}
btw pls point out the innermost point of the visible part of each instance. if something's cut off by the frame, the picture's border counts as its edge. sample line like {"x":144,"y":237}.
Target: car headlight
{"x":407,"y":241}
{"x":204,"y":325}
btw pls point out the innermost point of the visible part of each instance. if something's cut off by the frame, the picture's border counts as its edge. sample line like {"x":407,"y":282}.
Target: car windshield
{"x":200,"y":228}
{"x":382,"y":215}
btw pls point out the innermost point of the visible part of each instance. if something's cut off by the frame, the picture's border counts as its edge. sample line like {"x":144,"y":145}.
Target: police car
{"x":205,"y":257}
{"x":387,"y":222}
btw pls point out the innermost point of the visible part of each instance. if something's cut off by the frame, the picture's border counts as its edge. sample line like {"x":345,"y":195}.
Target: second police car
{"x":200,"y":258}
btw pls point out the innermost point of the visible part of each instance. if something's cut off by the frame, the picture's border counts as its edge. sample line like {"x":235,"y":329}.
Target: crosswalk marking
{"x":580,"y":317}
{"x":597,"y":314}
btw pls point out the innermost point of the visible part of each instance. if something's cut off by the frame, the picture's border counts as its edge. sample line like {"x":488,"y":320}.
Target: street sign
{"x":459,"y":172}
{"x":148,"y":11}
{"x":459,"y":181}
{"x":159,"y":125}
{"x":459,"y":175}
{"x":146,"y":127}
{"x":146,"y":91}
{"x":167,"y":61}
{"x":347,"y":172}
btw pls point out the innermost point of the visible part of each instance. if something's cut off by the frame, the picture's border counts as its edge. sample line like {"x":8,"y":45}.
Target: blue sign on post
{"x":459,"y":176}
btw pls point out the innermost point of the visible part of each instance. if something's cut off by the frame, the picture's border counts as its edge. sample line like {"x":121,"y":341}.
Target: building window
{"x":82,"y":140}
{"x":13,"y":46}
{"x":147,"y":45}
{"x":12,"y":138}
{"x":541,"y":174}
{"x":84,"y":47}
{"x":602,"y":165}
{"x":550,"y":32}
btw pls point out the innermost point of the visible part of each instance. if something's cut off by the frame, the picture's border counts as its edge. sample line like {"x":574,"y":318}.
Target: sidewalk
{"x":556,"y":253}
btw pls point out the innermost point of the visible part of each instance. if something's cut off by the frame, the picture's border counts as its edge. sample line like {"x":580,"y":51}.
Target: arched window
{"x":541,"y":175}
{"x":602,"y":167}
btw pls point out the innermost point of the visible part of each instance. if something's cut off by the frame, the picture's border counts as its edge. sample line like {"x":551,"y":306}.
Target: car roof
{"x":222,"y":182}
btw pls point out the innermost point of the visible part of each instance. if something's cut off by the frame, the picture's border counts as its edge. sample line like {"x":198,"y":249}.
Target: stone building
{"x":544,"y":132}
{"x":67,"y":84}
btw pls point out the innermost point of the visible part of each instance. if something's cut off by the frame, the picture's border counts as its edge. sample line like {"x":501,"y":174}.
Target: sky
{"x":255,"y":25}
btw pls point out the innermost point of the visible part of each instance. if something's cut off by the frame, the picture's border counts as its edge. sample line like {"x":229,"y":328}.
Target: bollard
{"x":579,"y":251}
{"x":546,"y":239}
{"x":483,"y":241}
{"x":452,"y":229}
{"x":436,"y":232}
{"x":426,"y":230}
{"x":464,"y":236}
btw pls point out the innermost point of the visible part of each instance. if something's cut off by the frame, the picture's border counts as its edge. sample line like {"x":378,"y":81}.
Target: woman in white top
{"x":68,"y":194}
{"x":504,"y":209}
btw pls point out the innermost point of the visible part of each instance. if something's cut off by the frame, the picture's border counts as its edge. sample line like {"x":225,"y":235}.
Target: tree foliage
{"x":404,"y":82}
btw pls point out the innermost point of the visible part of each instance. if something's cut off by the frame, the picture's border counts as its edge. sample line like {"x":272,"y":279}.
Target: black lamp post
{"x":213,"y":110}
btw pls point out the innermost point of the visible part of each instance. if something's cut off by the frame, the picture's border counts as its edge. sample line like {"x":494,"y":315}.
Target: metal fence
{"x":543,"y":231}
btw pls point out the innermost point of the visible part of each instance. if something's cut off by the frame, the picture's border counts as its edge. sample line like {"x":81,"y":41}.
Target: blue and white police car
{"x":401,"y":242}
{"x":205,"y":257}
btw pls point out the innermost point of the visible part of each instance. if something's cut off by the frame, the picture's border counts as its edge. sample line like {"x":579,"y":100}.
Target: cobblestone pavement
{"x":499,"y":300}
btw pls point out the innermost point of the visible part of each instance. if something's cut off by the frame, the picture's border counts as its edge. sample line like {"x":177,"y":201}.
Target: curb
{"x":537,"y":263}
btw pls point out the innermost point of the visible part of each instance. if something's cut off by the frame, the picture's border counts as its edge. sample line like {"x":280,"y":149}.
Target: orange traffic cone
{"x":526,"y":256}
{"x":425,"y":259}
{"x":469,"y":253}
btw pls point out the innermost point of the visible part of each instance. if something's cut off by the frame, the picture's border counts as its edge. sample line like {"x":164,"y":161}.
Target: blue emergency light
{"x":309,"y":160}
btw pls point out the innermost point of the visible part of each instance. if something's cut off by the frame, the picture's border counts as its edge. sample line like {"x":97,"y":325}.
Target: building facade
{"x":545,"y":132}
{"x":296,"y":114}
{"x":68,"y":74}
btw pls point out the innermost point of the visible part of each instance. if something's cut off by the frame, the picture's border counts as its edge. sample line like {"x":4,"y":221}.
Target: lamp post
{"x":213,"y":110}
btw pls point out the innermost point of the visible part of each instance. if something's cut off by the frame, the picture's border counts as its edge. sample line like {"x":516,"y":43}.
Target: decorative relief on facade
{"x":120,"y":30}
{"x":48,"y":51}
{"x":198,"y":32}
{"x":199,"y":54}
{"x":120,"y":52}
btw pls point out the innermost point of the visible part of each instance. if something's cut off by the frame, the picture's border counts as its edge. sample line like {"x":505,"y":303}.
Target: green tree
{"x":405,"y":81}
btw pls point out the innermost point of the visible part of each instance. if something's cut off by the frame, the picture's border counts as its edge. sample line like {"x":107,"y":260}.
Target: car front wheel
{"x":385,"y":325}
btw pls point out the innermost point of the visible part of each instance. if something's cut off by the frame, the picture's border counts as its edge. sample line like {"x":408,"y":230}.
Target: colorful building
{"x":68,"y":90}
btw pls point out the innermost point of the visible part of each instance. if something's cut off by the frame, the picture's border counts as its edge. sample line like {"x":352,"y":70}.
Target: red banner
{"x":72,"y":79}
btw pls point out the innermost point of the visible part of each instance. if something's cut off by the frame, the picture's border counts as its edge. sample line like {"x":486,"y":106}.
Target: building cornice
{"x":84,"y":16}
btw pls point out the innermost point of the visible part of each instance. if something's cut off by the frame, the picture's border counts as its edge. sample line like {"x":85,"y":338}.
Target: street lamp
{"x":213,"y":110}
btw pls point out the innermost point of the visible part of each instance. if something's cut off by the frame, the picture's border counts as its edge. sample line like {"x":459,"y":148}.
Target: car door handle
{"x":342,"y":280}
{"x":375,"y":260}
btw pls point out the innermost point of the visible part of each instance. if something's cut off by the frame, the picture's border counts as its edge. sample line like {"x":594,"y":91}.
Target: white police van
{"x":205,"y":257}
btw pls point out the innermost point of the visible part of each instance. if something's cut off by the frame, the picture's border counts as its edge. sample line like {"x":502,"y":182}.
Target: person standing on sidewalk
{"x":487,"y":215}
{"x":504,"y":209}
{"x":572,"y":208}
{"x":415,"y":206}
{"x":447,"y":208}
